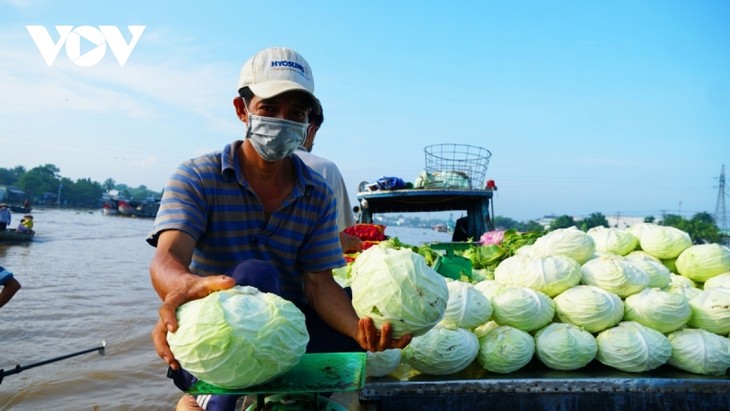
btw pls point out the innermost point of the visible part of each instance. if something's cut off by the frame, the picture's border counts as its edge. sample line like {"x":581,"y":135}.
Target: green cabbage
{"x":711,"y":310}
{"x":564,"y":346}
{"x":467,"y":307}
{"x":551,"y":274}
{"x":589,"y":307}
{"x":699,"y":351}
{"x":703,"y":261}
{"x":657,"y":309}
{"x":239,"y":337}
{"x":663,"y":242}
{"x":616,"y":274}
{"x":505,"y":349}
{"x":398,"y":286}
{"x":442,"y":351}
{"x":381,"y":363}
{"x":489,"y":288}
{"x":638,"y":229}
{"x":659,"y":275}
{"x":720,"y":280}
{"x":632,"y":347}
{"x":570,"y":242}
{"x":611,"y":240}
{"x":682,"y":285}
{"x":523,"y":308}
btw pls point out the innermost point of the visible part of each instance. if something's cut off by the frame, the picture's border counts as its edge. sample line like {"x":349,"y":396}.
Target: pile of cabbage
{"x":632,"y":299}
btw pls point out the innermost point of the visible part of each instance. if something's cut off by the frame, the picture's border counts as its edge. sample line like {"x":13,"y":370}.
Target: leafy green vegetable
{"x":398,"y":286}
{"x":632,"y":347}
{"x":239,"y":337}
{"x":660,"y":310}
{"x":505,"y":349}
{"x":442,"y":351}
{"x":564,"y":346}
{"x":699,"y":351}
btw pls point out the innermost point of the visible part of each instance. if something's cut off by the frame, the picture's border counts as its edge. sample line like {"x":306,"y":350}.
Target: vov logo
{"x":71,"y":37}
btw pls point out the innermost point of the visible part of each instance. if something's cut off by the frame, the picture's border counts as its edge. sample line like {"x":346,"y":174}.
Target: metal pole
{"x":18,"y":368}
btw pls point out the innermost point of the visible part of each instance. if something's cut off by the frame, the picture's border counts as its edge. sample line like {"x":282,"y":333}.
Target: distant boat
{"x":20,"y":208}
{"x":441,"y":228}
{"x":147,"y":208}
{"x":13,"y":235}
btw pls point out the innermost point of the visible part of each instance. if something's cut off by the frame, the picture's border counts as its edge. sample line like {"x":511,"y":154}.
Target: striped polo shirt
{"x":208,"y":198}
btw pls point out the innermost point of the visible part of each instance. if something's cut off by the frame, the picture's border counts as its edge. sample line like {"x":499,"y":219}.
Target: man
{"x":331,"y":173}
{"x":254,"y":200}
{"x":10,"y":286}
{"x":5,"y":216}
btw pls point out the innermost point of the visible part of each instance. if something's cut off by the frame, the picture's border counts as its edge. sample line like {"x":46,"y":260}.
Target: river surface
{"x":85,"y":280}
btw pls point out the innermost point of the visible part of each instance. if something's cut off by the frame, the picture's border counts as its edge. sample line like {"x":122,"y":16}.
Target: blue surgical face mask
{"x":275,"y":138}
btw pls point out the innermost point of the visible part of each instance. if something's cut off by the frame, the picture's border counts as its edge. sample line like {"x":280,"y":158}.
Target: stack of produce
{"x":632,"y":299}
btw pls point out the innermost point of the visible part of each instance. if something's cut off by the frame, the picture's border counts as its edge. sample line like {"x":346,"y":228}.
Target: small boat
{"x":13,"y":235}
{"x":147,"y":208}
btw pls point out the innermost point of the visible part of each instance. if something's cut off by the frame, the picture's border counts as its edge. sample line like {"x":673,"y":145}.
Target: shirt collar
{"x":230,"y":169}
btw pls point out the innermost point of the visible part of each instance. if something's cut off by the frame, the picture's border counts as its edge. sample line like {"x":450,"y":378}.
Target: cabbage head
{"x":720,"y":280}
{"x":688,"y":291}
{"x":638,"y":229}
{"x":612,"y":240}
{"x":442,"y":351}
{"x":564,"y":346}
{"x":616,"y":274}
{"x":381,"y":363}
{"x":657,"y":309}
{"x":632,"y":347}
{"x":489,"y":288}
{"x":699,"y":351}
{"x":523,"y":308}
{"x":505,"y":349}
{"x":467,"y":307}
{"x":589,"y":307}
{"x":570,"y":242}
{"x":239,"y":337}
{"x":398,"y":286}
{"x":550,"y":274}
{"x":703,"y":261}
{"x":664,"y":242}
{"x":711,"y":310}
{"x":659,"y":274}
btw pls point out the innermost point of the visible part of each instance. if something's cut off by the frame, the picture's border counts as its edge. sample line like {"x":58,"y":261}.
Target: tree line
{"x":702,"y":227}
{"x":44,"y":185}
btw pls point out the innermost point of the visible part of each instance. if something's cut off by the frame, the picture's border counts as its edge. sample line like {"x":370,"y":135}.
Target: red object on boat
{"x":367,"y":232}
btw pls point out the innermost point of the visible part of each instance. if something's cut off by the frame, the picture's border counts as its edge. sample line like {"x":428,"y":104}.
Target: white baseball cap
{"x":276,"y":70}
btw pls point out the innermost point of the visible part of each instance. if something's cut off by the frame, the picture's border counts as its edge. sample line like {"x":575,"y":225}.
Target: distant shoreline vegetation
{"x":44,"y":186}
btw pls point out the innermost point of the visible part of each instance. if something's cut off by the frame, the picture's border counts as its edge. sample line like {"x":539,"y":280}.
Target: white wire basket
{"x":456,"y":166}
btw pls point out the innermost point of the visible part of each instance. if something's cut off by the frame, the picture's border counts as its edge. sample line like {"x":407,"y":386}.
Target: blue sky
{"x":586,"y":106}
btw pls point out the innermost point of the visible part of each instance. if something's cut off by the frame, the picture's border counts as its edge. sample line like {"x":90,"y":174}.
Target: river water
{"x":85,"y":280}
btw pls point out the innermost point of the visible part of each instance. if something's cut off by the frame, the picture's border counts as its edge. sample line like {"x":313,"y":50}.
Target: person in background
{"x":330,"y":172}
{"x":5,"y":216}
{"x":26,"y":224}
{"x":10,"y":286}
{"x":254,"y":200}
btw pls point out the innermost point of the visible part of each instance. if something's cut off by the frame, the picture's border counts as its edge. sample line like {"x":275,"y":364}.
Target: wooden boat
{"x":13,"y":235}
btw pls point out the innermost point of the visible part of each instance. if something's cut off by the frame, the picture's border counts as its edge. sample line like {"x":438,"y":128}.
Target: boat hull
{"x":13,"y":235}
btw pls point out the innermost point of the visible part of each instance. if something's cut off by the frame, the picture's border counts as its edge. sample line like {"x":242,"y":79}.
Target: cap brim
{"x":271,"y":89}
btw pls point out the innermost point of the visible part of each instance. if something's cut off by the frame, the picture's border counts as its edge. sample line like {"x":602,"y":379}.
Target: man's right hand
{"x":200,"y":287}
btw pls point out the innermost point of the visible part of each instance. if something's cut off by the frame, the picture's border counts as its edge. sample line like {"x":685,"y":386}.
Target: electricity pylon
{"x":720,"y":211}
